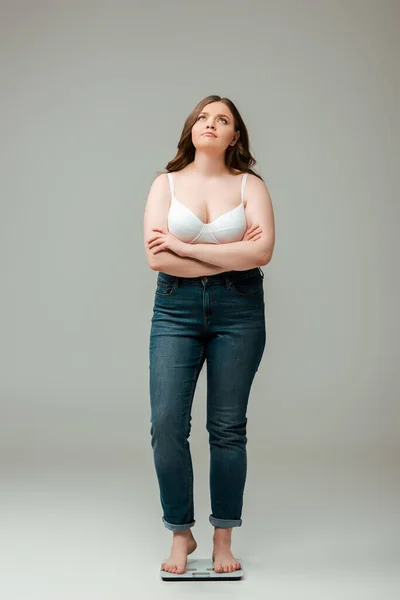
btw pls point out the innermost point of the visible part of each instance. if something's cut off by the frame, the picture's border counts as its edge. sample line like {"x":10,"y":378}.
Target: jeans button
{"x":205,"y":278}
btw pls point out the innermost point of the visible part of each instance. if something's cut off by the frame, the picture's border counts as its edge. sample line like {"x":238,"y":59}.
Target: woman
{"x":207,"y":242}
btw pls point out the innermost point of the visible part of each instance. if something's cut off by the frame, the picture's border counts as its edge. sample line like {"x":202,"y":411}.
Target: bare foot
{"x":183,"y":544}
{"x":223,"y":559}
{"x":225,"y":562}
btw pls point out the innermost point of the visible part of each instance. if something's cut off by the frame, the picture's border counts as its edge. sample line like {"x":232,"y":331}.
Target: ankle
{"x":222,"y":534}
{"x":185,"y":533}
{"x":222,"y":530}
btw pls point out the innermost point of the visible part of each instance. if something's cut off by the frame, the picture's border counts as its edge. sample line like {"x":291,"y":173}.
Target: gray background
{"x":93,"y":100}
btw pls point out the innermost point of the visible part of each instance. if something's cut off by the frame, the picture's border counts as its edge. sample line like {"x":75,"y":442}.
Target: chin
{"x":210,"y":144}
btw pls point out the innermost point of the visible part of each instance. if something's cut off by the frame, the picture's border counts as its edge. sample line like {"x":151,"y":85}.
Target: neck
{"x":208,"y":165}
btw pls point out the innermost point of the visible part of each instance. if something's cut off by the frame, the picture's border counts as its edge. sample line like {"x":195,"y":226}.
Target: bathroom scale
{"x":201,"y":569}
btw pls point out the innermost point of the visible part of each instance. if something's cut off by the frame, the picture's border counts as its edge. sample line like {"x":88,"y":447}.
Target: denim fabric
{"x":221,"y":319}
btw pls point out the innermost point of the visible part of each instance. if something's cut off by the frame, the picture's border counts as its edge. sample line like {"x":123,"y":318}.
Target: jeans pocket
{"x":165,"y":289}
{"x":249,"y":286}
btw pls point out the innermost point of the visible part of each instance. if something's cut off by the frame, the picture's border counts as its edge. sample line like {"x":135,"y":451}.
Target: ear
{"x":237,"y":136}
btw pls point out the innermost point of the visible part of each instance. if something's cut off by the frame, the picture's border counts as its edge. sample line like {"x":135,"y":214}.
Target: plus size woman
{"x":208,"y":230}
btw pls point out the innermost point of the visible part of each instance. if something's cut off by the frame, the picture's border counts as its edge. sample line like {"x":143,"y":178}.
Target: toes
{"x":218,"y":568}
{"x":173,"y":568}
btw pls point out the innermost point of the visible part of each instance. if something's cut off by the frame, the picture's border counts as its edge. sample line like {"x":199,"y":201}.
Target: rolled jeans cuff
{"x":225,"y":523}
{"x":182,"y":527}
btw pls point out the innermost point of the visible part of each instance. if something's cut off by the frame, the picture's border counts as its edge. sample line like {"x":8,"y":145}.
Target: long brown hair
{"x":237,"y":157}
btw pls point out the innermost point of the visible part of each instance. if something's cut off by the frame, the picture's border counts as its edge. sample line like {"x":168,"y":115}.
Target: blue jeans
{"x":219,"y":318}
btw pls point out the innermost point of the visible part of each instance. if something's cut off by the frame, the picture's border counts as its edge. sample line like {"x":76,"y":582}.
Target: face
{"x":215,"y":118}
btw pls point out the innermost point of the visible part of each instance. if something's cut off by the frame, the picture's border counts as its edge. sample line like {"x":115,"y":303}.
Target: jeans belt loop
{"x":227,"y":280}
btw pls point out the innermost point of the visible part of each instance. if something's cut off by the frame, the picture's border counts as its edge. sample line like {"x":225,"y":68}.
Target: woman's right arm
{"x":156,"y":216}
{"x":181,"y":266}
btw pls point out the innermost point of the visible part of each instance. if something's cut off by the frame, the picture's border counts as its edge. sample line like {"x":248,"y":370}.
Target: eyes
{"x":203,"y":117}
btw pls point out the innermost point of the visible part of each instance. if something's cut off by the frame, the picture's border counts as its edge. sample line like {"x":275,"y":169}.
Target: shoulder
{"x":256,"y":191}
{"x":160,"y":184}
{"x":159,"y":191}
{"x":160,"y":177}
{"x":252,"y":179}
{"x":256,"y":182}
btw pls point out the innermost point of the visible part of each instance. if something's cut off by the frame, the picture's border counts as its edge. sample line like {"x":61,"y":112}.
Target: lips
{"x":209,"y":133}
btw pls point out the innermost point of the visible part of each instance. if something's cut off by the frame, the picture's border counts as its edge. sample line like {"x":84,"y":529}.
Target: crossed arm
{"x":236,"y":256}
{"x":181,"y":266}
{"x":204,"y":259}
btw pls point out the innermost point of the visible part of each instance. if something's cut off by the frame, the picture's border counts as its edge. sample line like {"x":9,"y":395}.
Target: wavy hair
{"x":236,"y":157}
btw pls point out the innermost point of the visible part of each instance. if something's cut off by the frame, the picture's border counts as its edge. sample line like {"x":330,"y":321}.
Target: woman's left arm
{"x":239,"y":256}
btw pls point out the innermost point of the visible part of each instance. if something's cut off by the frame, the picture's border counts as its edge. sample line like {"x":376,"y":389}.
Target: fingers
{"x":157,"y":235}
{"x":153,"y":239}
{"x":255,"y":233}
{"x":158,"y":248}
{"x":253,"y":229}
{"x":154,"y":242}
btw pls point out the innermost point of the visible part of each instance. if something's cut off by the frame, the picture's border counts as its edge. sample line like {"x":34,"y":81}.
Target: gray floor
{"x":309,"y":531}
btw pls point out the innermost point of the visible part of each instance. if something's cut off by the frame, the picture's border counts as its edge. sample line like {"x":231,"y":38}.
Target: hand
{"x":164,"y":240}
{"x":252,"y":233}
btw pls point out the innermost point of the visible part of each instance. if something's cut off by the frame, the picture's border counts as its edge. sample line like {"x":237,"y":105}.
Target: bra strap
{"x":171,"y":183}
{"x":243,"y":184}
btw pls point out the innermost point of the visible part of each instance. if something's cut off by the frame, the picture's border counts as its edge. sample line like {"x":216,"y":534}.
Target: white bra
{"x":185,"y":225}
